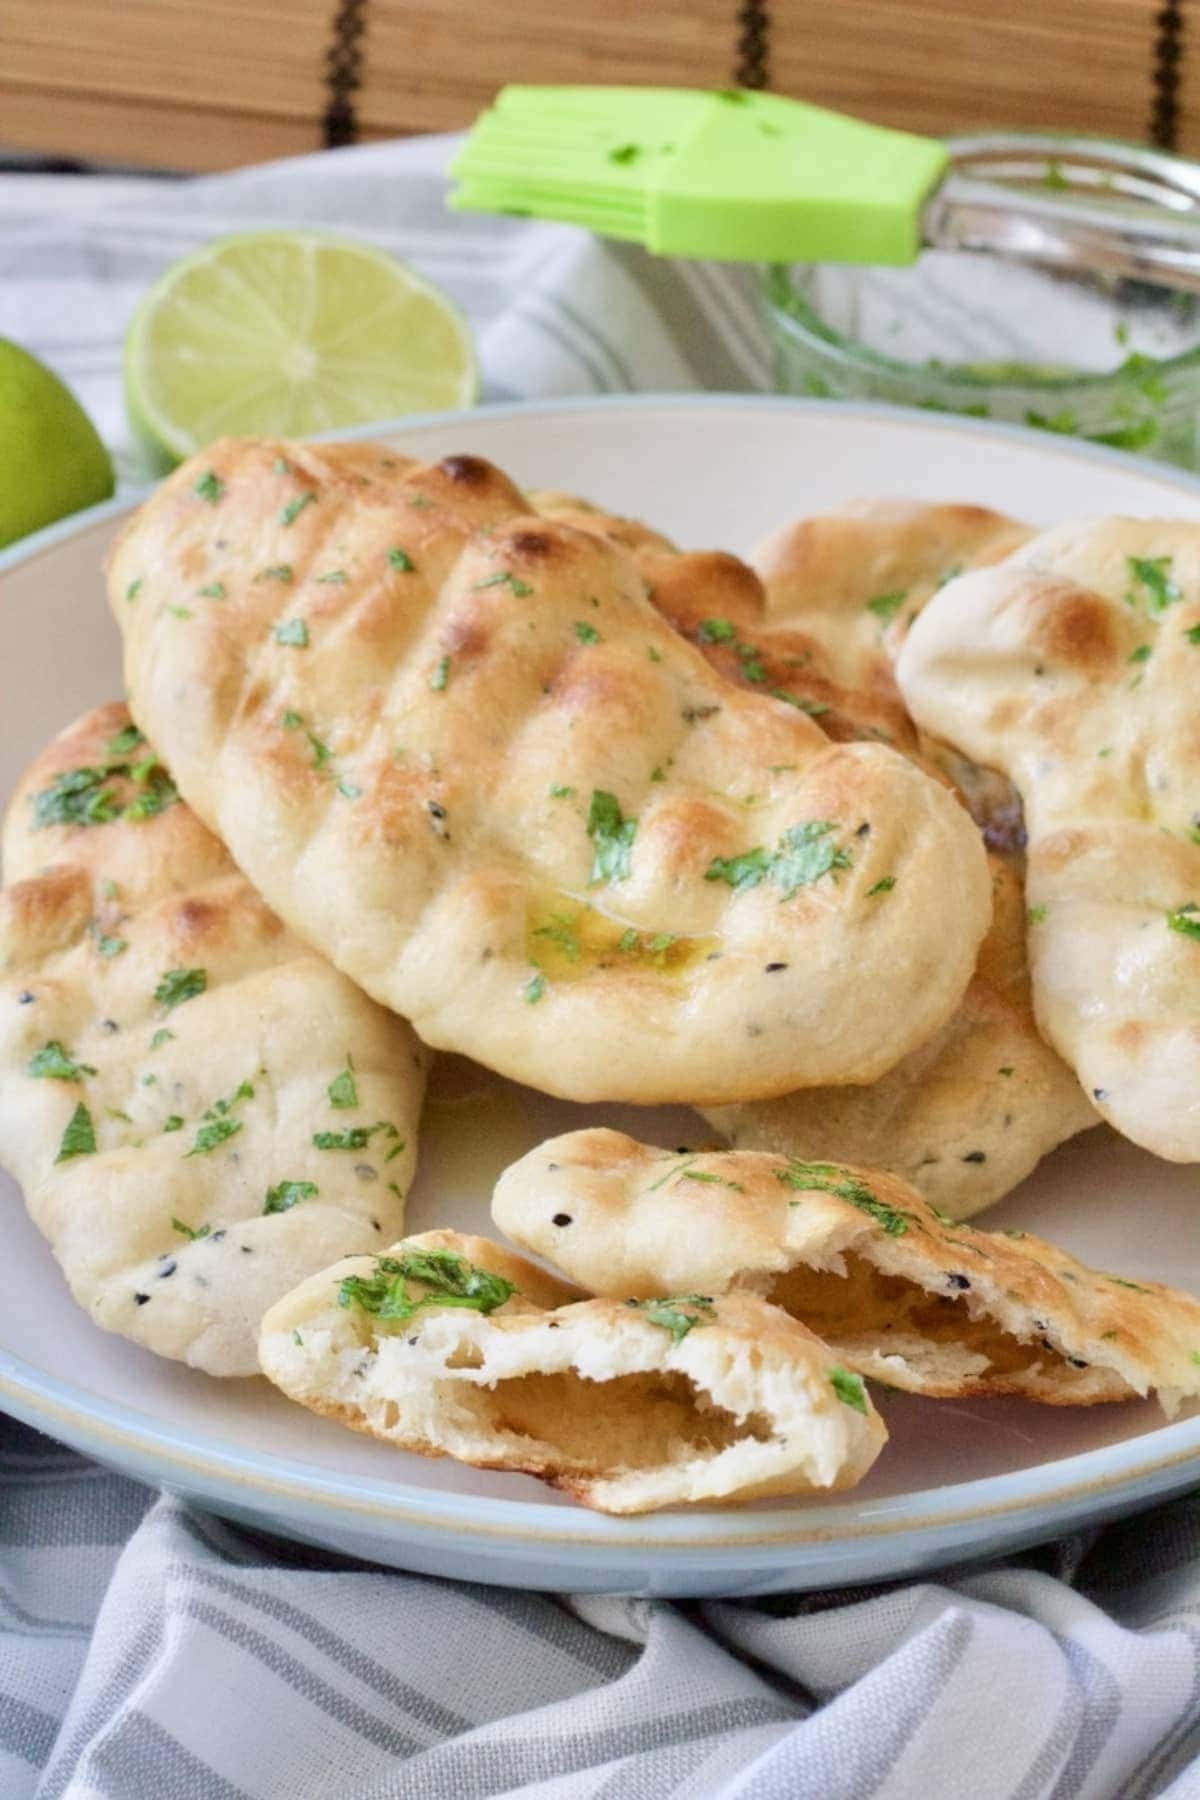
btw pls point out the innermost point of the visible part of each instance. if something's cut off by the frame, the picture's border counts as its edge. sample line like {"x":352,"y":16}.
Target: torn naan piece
{"x":455,"y":746}
{"x":451,"y":1346}
{"x":1075,"y":668}
{"x":199,"y":1109}
{"x":898,"y":1292}
{"x":967,"y":1116}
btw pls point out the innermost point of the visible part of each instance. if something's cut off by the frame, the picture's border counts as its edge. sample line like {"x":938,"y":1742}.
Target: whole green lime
{"x":51,"y":459}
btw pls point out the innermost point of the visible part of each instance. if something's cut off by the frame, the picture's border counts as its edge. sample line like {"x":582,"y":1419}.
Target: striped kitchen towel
{"x":148,"y":1652}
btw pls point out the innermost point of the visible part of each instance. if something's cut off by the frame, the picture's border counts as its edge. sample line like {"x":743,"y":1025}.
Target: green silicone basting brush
{"x":744,"y":176}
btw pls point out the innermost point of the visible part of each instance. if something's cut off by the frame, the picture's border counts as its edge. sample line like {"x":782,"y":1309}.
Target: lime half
{"x":51,"y":460}
{"x":288,"y":333}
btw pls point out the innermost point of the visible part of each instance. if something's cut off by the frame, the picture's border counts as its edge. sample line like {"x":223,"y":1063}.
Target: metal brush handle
{"x":1089,"y":232}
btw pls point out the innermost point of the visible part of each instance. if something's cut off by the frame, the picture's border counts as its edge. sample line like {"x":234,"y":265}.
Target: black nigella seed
{"x":109,"y":1025}
{"x":958,"y":1281}
{"x":552,"y":1168}
{"x":561,"y":1219}
{"x":246,"y":1249}
{"x":864,"y":829}
{"x":216,"y":1237}
{"x":1100,"y":1094}
{"x":141,"y":1299}
{"x":25,"y":999}
{"x":1077,"y":1362}
{"x":975,"y":1156}
{"x":365,"y":1172}
{"x":168,"y":1268}
{"x":683,"y":1149}
{"x":773,"y":968}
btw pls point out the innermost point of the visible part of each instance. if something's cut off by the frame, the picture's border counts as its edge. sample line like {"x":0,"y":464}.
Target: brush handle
{"x":1093,"y":235}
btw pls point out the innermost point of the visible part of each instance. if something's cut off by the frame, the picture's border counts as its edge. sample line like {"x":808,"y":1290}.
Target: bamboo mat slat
{"x":214,"y":83}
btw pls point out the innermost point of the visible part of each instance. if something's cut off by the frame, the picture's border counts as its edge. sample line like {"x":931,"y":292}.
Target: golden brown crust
{"x":1072,"y":666}
{"x":627,"y":1407}
{"x":413,"y":787}
{"x":165,"y":1243}
{"x":897,"y":1290}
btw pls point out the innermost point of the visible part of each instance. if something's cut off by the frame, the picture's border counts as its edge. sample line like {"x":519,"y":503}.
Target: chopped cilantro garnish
{"x":886,"y":606}
{"x":559,"y":792}
{"x":534,"y":988}
{"x":561,"y":931}
{"x":814,"y":708}
{"x":173,"y":1123}
{"x":287,"y":1194}
{"x":587,"y":634}
{"x":1186,"y":919}
{"x":178,"y":985}
{"x":830,"y":1178}
{"x":161,"y":1036}
{"x":294,"y":508}
{"x":210,"y":487}
{"x":214,"y":591}
{"x":53,"y":1063}
{"x":672,"y":1314}
{"x":625,"y":153}
{"x":200,"y":1231}
{"x":281,"y":466}
{"x":612,"y":838}
{"x":653,"y":654}
{"x":448,"y":1280}
{"x":805,"y":853}
{"x":292,"y":631}
{"x":1006,"y":1069}
{"x":1192,"y":634}
{"x":180,"y":612}
{"x":1133,"y":1286}
{"x":215,"y":1132}
{"x":343,"y":1090}
{"x":332,"y":578}
{"x":752,"y":665}
{"x":506,"y":578}
{"x":134,"y":589}
{"x":441,"y":675}
{"x":348,"y":790}
{"x":849,"y":1388}
{"x":125,"y":741}
{"x":105,"y":945}
{"x":716,"y":631}
{"x":79,"y":1137}
{"x":400,"y":559}
{"x":884,"y":885}
{"x":291,"y":721}
{"x":1035,"y":914}
{"x":1153,"y":587}
{"x":687,"y":1171}
{"x":79,"y":797}
{"x":357,"y":1137}
{"x":1141,"y":654}
{"x":629,"y":939}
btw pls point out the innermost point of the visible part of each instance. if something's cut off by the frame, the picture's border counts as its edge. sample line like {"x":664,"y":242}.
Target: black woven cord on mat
{"x":753,"y":66}
{"x":1168,"y":59}
{"x":344,"y":73}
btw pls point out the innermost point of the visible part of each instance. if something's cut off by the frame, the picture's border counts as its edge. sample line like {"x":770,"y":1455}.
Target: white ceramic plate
{"x":955,"y":1481}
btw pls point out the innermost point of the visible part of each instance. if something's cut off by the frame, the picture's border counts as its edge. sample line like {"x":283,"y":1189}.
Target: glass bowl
{"x":1113,"y":360}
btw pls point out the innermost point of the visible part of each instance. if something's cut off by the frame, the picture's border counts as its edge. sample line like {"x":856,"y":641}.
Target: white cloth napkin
{"x":148,"y":1652}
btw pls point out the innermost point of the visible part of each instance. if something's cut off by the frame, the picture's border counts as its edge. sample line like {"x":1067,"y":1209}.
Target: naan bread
{"x":973,"y":1110}
{"x":460,"y":752}
{"x":964,"y":1118}
{"x":627,"y":1407}
{"x":896,"y":1290}
{"x":169,"y":1055}
{"x":1075,"y":668}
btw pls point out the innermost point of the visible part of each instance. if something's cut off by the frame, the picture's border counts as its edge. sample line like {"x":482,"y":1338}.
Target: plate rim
{"x":1111,"y":1470}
